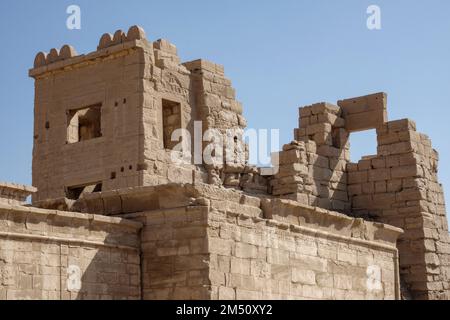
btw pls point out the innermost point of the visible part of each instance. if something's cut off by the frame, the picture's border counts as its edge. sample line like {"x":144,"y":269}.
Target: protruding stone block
{"x":166,"y":46}
{"x":364,"y":113}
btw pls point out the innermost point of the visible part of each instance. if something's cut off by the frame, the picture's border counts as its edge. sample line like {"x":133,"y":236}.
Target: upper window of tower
{"x":171,"y":112}
{"x":84,"y":124}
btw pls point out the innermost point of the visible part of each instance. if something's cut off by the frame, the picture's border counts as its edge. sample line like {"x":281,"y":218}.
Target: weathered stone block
{"x":303,"y":276}
{"x":363,"y":113}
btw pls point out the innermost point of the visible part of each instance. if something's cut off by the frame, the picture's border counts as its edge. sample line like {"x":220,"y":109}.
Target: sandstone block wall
{"x":54,"y":255}
{"x":218,"y":109}
{"x":310,"y":178}
{"x":166,"y":85}
{"x":399,"y":186}
{"x":364,"y":113}
{"x":258,"y":259}
{"x":227,"y":245}
{"x":14,"y":194}
{"x":324,"y":181}
{"x":175,"y":254}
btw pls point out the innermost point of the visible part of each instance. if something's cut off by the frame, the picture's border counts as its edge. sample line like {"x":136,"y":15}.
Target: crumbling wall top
{"x":15,"y":193}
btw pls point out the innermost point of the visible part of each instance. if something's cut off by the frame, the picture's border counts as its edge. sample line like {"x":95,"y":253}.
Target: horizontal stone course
{"x":100,"y":260}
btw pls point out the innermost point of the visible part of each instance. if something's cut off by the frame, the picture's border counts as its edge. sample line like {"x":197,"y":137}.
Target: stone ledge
{"x":286,"y":213}
{"x":91,"y":218}
{"x":381,"y":239}
{"x":16,"y":186}
{"x":330,"y":222}
{"x":32,"y":224}
{"x":149,"y":198}
{"x":13,"y":193}
{"x":71,"y":241}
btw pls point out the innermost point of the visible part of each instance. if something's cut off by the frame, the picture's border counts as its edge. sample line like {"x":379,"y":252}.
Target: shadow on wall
{"x":54,"y":255}
{"x":108,"y":271}
{"x":103,"y":274}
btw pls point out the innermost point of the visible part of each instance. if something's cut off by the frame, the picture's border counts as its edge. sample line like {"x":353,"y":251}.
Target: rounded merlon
{"x":67,"y":52}
{"x":40,"y":60}
{"x":119,"y":37}
{"x":105,"y":41}
{"x":136,"y":33}
{"x":53,"y":56}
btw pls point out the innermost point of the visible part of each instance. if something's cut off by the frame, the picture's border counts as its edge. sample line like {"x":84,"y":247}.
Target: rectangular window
{"x":171,"y":121}
{"x":84,"y":124}
{"x":74,"y":193}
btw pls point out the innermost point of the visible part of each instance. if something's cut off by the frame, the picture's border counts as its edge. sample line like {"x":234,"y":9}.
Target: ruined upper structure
{"x":103,"y":121}
{"x":319,"y":227}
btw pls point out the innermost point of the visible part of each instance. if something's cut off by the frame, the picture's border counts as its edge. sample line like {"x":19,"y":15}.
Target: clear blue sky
{"x":279,"y":55}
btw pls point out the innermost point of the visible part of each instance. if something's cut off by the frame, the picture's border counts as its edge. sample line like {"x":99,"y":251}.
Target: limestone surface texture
{"x":114,"y":216}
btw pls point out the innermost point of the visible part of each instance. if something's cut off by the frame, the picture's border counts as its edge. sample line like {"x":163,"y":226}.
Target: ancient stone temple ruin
{"x":114,"y":217}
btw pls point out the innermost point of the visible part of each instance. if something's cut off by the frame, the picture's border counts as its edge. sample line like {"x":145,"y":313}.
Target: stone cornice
{"x":15,"y":193}
{"x":289,"y":213}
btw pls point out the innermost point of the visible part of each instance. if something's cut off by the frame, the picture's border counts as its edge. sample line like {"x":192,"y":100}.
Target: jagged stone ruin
{"x":114,"y":217}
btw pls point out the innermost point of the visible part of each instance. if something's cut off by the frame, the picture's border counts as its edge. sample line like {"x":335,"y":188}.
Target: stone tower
{"x":103,"y":121}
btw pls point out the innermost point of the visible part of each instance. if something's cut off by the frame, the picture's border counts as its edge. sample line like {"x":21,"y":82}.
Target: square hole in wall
{"x":171,"y":112}
{"x":363,"y":144}
{"x":84,"y":124}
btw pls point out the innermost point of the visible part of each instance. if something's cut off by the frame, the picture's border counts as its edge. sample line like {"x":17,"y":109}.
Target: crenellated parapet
{"x":55,"y":55}
{"x":162,"y":51}
{"x":109,"y":44}
{"x":108,"y":40}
